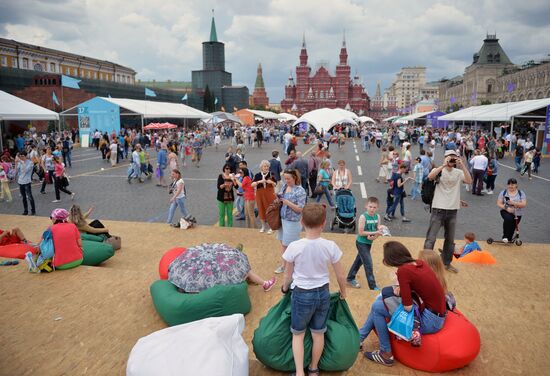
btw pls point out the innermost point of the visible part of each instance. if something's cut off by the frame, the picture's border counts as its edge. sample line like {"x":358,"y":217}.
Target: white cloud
{"x":161,"y":39}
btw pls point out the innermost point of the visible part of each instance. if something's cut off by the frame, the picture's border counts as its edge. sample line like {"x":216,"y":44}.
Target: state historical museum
{"x":323,"y":89}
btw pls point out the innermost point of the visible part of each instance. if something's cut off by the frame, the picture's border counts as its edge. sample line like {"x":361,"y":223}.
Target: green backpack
{"x":272,"y":341}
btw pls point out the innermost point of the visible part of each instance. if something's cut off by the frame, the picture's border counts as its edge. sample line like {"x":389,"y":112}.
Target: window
{"x":101,"y":76}
{"x":489,"y":88}
{"x":13,"y":62}
{"x":52,"y":67}
{"x":67,"y":71}
{"x":4,"y":61}
{"x":95,"y":75}
{"x":118,"y":78}
{"x":25,"y":63}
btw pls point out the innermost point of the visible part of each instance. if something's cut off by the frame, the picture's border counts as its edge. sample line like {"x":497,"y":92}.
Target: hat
{"x":59,"y":214}
{"x":450,"y":152}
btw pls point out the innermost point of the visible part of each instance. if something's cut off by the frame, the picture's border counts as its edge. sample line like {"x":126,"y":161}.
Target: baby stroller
{"x":345,"y":210}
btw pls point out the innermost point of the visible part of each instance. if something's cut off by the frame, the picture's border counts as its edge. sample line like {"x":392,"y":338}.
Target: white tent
{"x":14,"y":108}
{"x":415,"y":116}
{"x":498,"y":111}
{"x":366,"y":119}
{"x":324,"y":119}
{"x":391,"y":118}
{"x":346,"y":113}
{"x":266,"y":115}
{"x":287,"y":117}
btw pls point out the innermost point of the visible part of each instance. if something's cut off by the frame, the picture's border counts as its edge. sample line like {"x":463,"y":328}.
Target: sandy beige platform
{"x":86,"y":320}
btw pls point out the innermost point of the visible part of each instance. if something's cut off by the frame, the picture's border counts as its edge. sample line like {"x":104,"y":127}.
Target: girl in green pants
{"x":225,"y":197}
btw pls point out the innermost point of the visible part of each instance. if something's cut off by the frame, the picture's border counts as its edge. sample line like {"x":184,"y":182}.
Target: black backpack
{"x":428,"y":190}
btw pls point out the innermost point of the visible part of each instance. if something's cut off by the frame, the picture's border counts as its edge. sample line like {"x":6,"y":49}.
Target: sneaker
{"x":387,"y":218}
{"x":43,"y":192}
{"x":269,"y":232}
{"x":72,"y":196}
{"x":405,"y":219}
{"x":33,"y":268}
{"x":353,"y":283}
{"x":451,"y":268}
{"x":489,"y":192}
{"x":56,"y":201}
{"x":505,"y":240}
{"x":377,"y":357}
{"x":262,"y":229}
{"x":376,"y":288}
{"x":268,"y":285}
{"x":280,"y":270}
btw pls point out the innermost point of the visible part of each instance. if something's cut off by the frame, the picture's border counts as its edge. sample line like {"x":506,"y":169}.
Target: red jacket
{"x":65,"y":242}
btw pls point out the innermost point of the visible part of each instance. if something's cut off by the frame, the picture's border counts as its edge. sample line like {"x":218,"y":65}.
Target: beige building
{"x":493,"y":78}
{"x":410,"y":87}
{"x":20,"y":55}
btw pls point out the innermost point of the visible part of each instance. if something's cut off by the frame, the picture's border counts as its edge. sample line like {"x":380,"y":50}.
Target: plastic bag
{"x":402,"y":322}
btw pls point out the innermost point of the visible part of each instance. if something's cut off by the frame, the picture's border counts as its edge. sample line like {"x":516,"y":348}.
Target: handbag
{"x":115,"y":241}
{"x":273,"y":214}
{"x":402,"y":322}
{"x":319,"y":189}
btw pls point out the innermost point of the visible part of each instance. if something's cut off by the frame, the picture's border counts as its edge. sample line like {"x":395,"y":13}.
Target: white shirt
{"x":479,"y":162}
{"x":179,"y":184}
{"x":113,"y":148}
{"x":447,"y":192}
{"x":528,"y":145}
{"x":311,"y":258}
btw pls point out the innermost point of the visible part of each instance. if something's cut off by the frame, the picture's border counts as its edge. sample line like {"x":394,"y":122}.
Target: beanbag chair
{"x":92,"y":237}
{"x":176,"y":308}
{"x":96,"y":252}
{"x":454,"y":346}
{"x":478,"y":257}
{"x":16,"y":250}
{"x":272,"y":341}
{"x":167,"y":259}
{"x":213,"y":346}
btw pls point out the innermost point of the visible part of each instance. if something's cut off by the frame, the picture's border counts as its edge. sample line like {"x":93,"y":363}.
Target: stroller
{"x":345,"y":211}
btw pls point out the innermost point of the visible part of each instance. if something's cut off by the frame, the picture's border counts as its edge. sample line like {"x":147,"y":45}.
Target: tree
{"x":485,"y":102}
{"x":208,"y":100}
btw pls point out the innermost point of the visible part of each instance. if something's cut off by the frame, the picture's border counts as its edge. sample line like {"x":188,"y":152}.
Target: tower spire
{"x":304,"y":40}
{"x":344,"y":39}
{"x":213,"y":34}
{"x":259,"y":77}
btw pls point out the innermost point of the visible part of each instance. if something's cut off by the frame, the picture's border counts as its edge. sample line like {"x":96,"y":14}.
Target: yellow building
{"x":20,"y":55}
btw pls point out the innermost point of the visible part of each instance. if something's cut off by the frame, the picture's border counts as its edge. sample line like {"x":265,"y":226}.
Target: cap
{"x":450,"y":152}
{"x":59,"y":214}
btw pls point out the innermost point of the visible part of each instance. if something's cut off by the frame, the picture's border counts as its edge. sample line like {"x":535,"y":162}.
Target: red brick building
{"x":323,"y":89}
{"x":259,"y":96}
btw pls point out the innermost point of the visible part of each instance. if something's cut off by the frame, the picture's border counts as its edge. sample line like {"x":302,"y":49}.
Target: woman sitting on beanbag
{"x":13,"y":236}
{"x":80,"y":220}
{"x":66,"y":241}
{"x":413,"y":276}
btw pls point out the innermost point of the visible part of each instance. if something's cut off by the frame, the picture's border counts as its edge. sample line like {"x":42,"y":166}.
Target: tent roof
{"x":390,"y":118}
{"x":14,"y":108}
{"x":415,"y":116}
{"x":346,"y":113}
{"x":287,"y":117}
{"x":497,"y":112}
{"x":151,"y":109}
{"x":265,"y":114}
{"x":366,"y":119}
{"x":324,"y":118}
{"x":220,"y":117}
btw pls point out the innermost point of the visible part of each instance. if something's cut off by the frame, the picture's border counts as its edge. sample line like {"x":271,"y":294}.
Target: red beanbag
{"x":16,"y":250}
{"x":454,"y":346}
{"x":167,"y":259}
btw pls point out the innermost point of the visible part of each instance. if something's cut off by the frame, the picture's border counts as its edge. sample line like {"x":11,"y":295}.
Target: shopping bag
{"x":401,"y":323}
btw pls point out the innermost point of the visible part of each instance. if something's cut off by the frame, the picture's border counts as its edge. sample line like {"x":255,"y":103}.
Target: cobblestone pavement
{"x":96,"y":183}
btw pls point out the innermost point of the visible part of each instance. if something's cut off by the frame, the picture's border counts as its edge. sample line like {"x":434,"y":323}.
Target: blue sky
{"x":161,"y":39}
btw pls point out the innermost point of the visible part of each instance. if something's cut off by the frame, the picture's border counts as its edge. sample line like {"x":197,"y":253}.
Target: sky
{"x":161,"y":39}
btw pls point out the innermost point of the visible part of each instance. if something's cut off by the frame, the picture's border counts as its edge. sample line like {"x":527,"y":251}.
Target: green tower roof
{"x":259,"y":78}
{"x":213,"y":34}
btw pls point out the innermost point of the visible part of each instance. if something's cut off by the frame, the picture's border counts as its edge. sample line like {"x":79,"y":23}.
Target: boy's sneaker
{"x":375,"y":288}
{"x":377,"y":357}
{"x":353,"y":283}
{"x":387,"y":218}
{"x":268,"y":285}
{"x":405,"y":219}
{"x":56,"y":201}
{"x":489,"y":192}
{"x":279,"y":270}
{"x":451,"y":268}
{"x":33,"y":268}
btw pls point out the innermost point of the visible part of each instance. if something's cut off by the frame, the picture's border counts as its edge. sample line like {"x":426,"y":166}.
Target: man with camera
{"x":446,"y":202}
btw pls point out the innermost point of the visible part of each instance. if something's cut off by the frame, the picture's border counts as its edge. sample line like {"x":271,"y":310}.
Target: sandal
{"x":313,"y":371}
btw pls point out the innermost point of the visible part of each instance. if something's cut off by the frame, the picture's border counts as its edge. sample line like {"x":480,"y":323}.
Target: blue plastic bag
{"x":402,"y":322}
{"x":46,"y":247}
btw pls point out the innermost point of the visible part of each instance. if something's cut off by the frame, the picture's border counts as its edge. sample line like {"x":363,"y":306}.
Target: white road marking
{"x":359,"y":171}
{"x":363,"y":190}
{"x":357,"y":158}
{"x":513,"y":168}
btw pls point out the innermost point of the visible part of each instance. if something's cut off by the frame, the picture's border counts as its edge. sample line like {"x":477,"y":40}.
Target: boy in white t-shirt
{"x":306,"y":266}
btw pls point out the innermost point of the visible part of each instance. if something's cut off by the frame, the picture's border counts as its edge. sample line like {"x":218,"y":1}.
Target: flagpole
{"x":62,"y":119}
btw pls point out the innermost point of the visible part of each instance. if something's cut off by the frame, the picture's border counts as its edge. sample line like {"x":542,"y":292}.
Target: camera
{"x":452,"y":160}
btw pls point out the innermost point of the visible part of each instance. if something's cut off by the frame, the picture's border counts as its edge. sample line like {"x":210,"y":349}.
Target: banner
{"x":547,"y":126}
{"x":67,"y":81}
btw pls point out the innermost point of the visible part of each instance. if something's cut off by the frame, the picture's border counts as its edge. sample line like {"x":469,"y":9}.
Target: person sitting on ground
{"x":80,"y":221}
{"x":13,"y":236}
{"x":306,"y":272}
{"x":470,"y":245}
{"x":412,"y":275}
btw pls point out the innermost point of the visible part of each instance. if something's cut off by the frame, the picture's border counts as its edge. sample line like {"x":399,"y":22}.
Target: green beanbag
{"x":92,"y":237}
{"x":96,"y":252}
{"x":272,"y":341}
{"x":176,"y":308}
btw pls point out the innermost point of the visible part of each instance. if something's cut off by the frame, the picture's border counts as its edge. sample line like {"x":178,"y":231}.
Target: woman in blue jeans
{"x":323,"y":180}
{"x":412,"y":276}
{"x":177,"y":189}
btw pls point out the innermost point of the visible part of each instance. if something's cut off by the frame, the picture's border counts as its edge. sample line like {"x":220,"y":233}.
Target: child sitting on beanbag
{"x":470,"y":245}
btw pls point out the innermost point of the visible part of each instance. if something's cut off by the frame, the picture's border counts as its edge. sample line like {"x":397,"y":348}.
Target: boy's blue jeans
{"x":364,"y":259}
{"x":429,"y":323}
{"x":309,"y":309}
{"x":415,"y":191}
